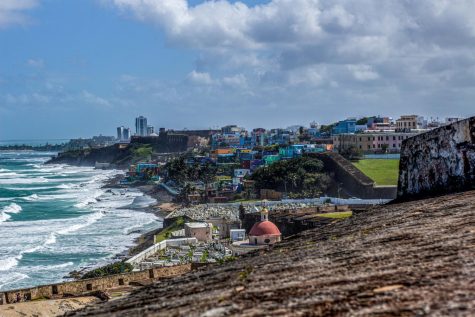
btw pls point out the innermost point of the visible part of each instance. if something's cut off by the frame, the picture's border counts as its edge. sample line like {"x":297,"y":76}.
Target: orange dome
{"x":264,"y":228}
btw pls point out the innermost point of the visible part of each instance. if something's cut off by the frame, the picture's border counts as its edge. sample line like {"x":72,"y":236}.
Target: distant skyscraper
{"x":141,"y":126}
{"x":150,"y":130}
{"x":123,"y":133}
{"x":126,"y":133}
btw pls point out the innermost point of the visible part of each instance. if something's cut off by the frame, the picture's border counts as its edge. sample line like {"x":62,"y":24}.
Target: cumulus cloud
{"x":94,"y":99}
{"x":370,"y":51}
{"x":363,"y":72}
{"x":200,"y":78}
{"x":12,"y":11}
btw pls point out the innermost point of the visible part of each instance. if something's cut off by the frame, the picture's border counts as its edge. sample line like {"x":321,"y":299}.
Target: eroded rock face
{"x":438,"y":162}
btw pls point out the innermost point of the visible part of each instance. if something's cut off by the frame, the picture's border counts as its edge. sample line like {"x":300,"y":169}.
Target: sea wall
{"x":438,"y":162}
{"x":83,"y":287}
{"x":353,"y":180}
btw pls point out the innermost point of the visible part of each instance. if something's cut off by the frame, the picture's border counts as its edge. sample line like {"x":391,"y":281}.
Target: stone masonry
{"x":438,"y":162}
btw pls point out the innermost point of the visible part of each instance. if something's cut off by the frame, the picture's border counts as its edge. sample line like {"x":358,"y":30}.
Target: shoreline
{"x":161,"y":208}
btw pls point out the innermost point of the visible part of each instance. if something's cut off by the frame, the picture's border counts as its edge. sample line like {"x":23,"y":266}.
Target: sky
{"x":81,"y":68}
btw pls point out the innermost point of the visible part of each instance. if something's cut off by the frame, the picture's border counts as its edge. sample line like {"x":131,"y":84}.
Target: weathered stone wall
{"x":438,"y":162}
{"x":81,"y":287}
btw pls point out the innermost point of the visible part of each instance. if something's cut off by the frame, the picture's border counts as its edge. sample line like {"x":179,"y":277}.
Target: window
{"x":387,"y":138}
{"x":89,"y":287}
{"x":151,"y":274}
{"x":394,"y":138}
{"x":267,"y":241}
{"x":121,"y":281}
{"x":394,"y":145}
{"x":54,"y":289}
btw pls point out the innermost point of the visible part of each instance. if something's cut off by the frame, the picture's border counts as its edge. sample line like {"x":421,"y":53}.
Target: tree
{"x":351,"y":153}
{"x":142,"y":152}
{"x":301,"y":177}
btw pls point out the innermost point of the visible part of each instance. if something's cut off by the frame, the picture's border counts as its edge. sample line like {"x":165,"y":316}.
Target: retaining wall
{"x":83,"y":287}
{"x":355,"y":182}
{"x":438,"y":162}
{"x":142,"y":256}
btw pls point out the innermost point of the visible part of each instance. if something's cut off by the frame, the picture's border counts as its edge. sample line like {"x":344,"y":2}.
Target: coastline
{"x":161,"y":208}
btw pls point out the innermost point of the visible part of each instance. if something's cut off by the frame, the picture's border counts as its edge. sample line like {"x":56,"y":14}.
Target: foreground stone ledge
{"x":396,"y":260}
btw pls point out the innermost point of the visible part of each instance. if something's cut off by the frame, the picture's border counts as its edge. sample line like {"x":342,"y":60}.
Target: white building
{"x":202,"y":231}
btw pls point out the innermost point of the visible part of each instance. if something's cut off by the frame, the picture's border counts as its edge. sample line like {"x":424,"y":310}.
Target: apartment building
{"x":372,"y":141}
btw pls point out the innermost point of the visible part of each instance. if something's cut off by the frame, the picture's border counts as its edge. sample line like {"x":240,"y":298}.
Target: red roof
{"x":264,"y":228}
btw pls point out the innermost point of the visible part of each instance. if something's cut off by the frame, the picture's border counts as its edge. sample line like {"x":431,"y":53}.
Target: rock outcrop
{"x":438,"y":162}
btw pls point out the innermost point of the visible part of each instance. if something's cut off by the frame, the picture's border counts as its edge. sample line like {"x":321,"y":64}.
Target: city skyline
{"x":71,"y":69}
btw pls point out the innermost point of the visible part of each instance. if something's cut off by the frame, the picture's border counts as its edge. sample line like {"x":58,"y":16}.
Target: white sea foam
{"x":4,"y":217}
{"x":100,"y":230}
{"x":8,"y":263}
{"x":12,"y":208}
{"x":11,"y":278}
{"x":32,"y":197}
{"x":23,"y":180}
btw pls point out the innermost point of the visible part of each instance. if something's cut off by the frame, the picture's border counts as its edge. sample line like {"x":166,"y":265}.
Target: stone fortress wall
{"x":88,"y":286}
{"x":438,"y":162}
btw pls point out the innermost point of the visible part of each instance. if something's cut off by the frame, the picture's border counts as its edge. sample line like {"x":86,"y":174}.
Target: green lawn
{"x":383,"y":172}
{"x":337,"y":215}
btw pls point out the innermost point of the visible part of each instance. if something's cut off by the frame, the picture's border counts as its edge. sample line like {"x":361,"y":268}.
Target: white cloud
{"x":386,"y":56}
{"x":35,"y":63}
{"x":95,"y":100}
{"x":363,"y":72}
{"x":200,"y":78}
{"x":12,"y":11}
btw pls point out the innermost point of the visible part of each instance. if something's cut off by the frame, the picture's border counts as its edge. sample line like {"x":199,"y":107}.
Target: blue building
{"x":345,"y":126}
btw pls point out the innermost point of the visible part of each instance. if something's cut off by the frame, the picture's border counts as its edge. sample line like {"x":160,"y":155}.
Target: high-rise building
{"x":141,"y":126}
{"x":123,"y":134}
{"x":150,"y":130}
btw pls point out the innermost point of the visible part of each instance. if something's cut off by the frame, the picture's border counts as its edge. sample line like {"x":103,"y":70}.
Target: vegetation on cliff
{"x":113,"y":154}
{"x":114,"y":268}
{"x":299,"y":177}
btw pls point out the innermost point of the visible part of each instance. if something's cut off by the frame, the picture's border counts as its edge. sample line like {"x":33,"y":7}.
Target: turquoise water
{"x":56,"y":218}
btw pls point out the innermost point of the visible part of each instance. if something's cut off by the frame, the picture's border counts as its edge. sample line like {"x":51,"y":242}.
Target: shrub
{"x":110,"y":269}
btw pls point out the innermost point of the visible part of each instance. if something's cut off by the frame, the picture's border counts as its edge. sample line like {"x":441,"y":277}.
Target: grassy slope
{"x":383,"y":172}
{"x":166,"y":232}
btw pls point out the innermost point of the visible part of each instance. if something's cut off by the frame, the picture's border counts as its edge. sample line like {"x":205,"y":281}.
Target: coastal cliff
{"x":121,"y":155}
{"x":113,"y":154}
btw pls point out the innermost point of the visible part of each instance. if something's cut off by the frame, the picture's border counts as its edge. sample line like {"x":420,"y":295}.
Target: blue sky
{"x":80,"y":68}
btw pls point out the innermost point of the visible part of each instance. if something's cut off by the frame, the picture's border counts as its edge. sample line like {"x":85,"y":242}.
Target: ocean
{"x":56,"y":218}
